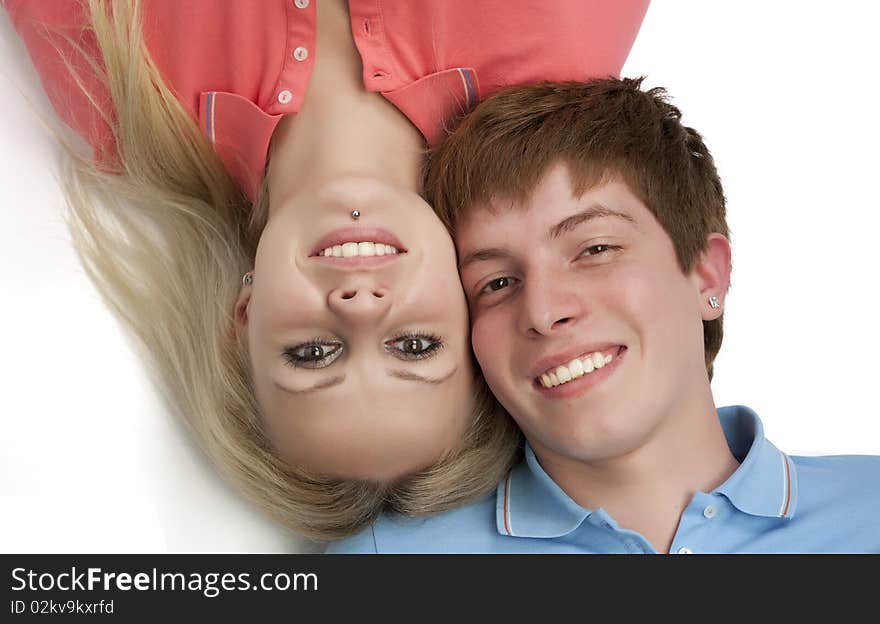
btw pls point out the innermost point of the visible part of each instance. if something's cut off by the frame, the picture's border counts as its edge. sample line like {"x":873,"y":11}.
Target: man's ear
{"x":711,"y":273}
{"x":241,"y":309}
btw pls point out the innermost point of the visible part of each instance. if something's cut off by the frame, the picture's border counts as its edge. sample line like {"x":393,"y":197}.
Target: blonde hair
{"x":165,"y":234}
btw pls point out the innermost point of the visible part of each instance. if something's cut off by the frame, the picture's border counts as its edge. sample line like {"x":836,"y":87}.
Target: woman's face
{"x":361,"y":363}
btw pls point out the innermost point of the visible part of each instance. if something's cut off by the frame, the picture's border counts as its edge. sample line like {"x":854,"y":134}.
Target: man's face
{"x":593,"y":280}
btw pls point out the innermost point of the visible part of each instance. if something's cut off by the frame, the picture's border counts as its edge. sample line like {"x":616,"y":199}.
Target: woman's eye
{"x":415,"y":346}
{"x":499,"y":283}
{"x":313,"y":355}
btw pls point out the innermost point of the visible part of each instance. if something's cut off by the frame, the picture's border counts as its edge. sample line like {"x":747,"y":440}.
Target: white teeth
{"x":578,"y":367}
{"x":563,"y":374}
{"x":588,"y":364}
{"x":360,"y":249}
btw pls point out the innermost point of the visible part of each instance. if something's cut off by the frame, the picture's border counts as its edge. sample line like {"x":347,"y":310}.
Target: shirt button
{"x":684,"y":550}
{"x":300,"y":54}
{"x":301,"y":4}
{"x":709,"y":512}
{"x":285,"y":96}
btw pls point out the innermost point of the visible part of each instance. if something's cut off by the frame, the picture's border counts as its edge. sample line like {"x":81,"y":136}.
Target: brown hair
{"x":602,"y":129}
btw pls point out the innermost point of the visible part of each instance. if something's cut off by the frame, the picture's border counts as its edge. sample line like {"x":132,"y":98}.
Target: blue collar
{"x":530,"y":504}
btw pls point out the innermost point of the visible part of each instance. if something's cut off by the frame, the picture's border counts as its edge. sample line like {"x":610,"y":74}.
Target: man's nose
{"x":547,"y":308}
{"x":361,"y":302}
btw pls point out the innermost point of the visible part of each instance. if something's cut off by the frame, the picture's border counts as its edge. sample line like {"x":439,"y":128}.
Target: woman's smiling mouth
{"x":358,"y":247}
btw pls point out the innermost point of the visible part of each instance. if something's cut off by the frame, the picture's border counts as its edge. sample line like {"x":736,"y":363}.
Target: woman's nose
{"x":360,"y":302}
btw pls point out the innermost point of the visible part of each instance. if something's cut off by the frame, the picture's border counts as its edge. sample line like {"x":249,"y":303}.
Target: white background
{"x":785,"y":94}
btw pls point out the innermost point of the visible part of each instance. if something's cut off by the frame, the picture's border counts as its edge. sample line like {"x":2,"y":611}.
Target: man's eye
{"x":499,"y":283}
{"x":595,"y":250}
{"x":313,"y":354}
{"x":414,"y":346}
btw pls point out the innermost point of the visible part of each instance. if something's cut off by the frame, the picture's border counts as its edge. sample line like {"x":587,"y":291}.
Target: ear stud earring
{"x":713,"y":302}
{"x":247,"y":279}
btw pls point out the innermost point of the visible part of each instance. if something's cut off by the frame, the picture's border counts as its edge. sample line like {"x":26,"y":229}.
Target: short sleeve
{"x":64,"y":52}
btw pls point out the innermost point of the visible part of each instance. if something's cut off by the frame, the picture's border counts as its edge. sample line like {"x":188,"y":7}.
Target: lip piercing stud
{"x":713,"y":301}
{"x":355,"y":214}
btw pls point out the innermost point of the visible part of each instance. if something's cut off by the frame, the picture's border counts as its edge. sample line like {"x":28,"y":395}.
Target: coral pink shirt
{"x":238,"y":65}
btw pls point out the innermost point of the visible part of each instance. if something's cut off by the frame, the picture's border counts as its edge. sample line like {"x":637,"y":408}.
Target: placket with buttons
{"x":697,"y":525}
{"x":291,"y":85}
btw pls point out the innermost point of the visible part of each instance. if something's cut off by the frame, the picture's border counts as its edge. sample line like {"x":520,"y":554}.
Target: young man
{"x":593,"y":249}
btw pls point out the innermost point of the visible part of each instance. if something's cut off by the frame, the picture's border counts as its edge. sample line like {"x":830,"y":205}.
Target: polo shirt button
{"x":684,"y":550}
{"x":709,"y":512}
{"x":285,"y":96}
{"x":301,"y":4}
{"x":300,"y":54}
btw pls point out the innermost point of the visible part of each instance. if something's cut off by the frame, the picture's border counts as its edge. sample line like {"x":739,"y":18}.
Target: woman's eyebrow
{"x":410,"y":376}
{"x":329,"y":383}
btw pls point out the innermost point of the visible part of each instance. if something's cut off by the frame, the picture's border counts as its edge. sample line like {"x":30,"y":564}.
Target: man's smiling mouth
{"x":578,"y":367}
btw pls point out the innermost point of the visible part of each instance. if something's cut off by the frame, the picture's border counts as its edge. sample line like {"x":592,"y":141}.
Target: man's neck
{"x":647,"y":489}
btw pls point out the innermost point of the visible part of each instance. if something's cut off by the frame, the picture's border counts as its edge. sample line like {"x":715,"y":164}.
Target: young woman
{"x":251,"y":212}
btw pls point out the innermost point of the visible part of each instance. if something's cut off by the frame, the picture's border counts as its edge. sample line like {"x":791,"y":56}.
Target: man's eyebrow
{"x":328,"y":383}
{"x":492,"y":253}
{"x":410,"y":376}
{"x":595,"y":211}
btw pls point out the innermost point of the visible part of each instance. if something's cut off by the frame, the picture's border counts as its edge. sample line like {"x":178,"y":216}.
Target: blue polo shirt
{"x":773,"y":503}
